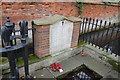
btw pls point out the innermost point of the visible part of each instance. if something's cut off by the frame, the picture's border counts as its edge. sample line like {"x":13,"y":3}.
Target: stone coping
{"x":54,"y":19}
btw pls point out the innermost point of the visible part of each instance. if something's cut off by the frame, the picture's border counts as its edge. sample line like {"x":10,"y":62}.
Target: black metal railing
{"x":16,"y":41}
{"x":99,"y":33}
{"x":12,"y":49}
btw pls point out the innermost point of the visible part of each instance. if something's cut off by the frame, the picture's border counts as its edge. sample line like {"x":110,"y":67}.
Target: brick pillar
{"x":41,"y":40}
{"x":76,"y":27}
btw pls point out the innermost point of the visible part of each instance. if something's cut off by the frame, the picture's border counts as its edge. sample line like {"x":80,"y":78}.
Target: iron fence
{"x":99,"y":33}
{"x":16,"y":40}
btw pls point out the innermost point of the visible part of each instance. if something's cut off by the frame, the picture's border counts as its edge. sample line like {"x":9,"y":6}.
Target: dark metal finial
{"x":8,"y":19}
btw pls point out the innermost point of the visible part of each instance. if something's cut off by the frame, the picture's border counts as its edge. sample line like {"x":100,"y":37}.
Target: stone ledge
{"x":54,"y":19}
{"x":98,"y":52}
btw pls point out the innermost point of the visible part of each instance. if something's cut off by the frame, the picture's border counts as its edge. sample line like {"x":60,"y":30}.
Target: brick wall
{"x":41,"y":40}
{"x":32,"y":10}
{"x":101,"y":12}
{"x":76,"y":27}
{"x":24,"y":11}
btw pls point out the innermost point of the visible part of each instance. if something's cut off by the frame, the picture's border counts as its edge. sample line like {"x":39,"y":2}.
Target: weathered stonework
{"x":55,"y":34}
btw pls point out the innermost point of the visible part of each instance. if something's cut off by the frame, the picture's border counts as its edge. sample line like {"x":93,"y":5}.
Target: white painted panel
{"x":60,"y":36}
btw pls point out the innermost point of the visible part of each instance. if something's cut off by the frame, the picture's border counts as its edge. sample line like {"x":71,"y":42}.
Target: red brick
{"x":75,"y":34}
{"x":42,"y":40}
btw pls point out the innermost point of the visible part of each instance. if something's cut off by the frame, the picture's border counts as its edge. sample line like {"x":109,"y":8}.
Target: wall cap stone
{"x":54,"y":19}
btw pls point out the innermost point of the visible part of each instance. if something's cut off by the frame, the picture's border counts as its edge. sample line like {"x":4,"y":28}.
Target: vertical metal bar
{"x":110,"y":39}
{"x":113,"y":29}
{"x":2,"y":41}
{"x":86,"y":29}
{"x":25,"y":57}
{"x":11,"y":42}
{"x":96,"y":24}
{"x":83,"y":28}
{"x":11,"y":63}
{"x":15,"y":39}
{"x":93,"y":24}
{"x":86,"y":24}
{"x":33,"y":34}
{"x":95,"y":30}
{"x":83,"y":25}
{"x":118,"y":43}
{"x":13,"y":68}
{"x":79,"y":32}
{"x":117,"y":32}
{"x":107,"y":31}
{"x":98,"y":35}
{"x":103,"y":32}
{"x":89,"y":28}
{"x":14,"y":34}
{"x":89,"y":24}
{"x":106,"y":40}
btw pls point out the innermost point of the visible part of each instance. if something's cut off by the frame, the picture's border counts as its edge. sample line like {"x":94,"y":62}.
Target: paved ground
{"x":75,"y":61}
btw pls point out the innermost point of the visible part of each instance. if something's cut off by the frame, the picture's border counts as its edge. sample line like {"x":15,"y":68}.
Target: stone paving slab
{"x":91,"y":63}
{"x":70,"y":64}
{"x":98,"y":66}
{"x":76,"y":61}
{"x":43,"y":73}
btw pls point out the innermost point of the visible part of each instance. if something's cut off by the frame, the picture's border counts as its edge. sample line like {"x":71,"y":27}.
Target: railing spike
{"x":114,"y":25}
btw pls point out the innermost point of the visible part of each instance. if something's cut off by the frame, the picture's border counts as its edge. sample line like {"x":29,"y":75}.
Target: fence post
{"x":95,"y":30}
{"x":107,"y":30}
{"x":86,"y":20}
{"x":98,"y":33}
{"x":15,"y":38}
{"x":79,"y":32}
{"x":33,"y":34}
{"x":112,"y":32}
{"x":103,"y":32}
{"x":118,"y":30}
{"x":89,"y":26}
{"x":86,"y":28}
{"x":83,"y":27}
{"x":91,"y":29}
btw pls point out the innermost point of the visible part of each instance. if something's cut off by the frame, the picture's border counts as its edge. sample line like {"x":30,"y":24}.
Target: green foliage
{"x":80,"y":6}
{"x":107,"y":2}
{"x":3,"y":60}
{"x":20,"y":61}
{"x":81,"y":43}
{"x":31,"y":57}
{"x":115,"y":65}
